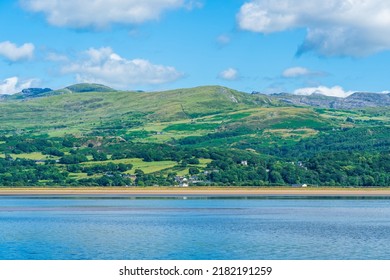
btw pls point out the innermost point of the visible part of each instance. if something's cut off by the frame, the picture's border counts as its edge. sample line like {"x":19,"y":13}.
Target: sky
{"x":269,"y":46}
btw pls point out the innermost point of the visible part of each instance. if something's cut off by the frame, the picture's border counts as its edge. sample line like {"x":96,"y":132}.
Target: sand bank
{"x":202,"y":191}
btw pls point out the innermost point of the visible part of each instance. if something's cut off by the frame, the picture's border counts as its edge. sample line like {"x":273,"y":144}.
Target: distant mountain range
{"x":355,"y":101}
{"x":29,"y":93}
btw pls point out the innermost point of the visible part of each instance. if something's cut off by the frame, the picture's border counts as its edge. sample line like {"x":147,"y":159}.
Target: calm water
{"x":193,"y":228}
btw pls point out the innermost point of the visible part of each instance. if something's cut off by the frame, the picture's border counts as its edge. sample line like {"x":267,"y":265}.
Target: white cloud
{"x":336,"y":91}
{"x":14,"y":53}
{"x":229,"y":74}
{"x":296,"y":72}
{"x":106,"y":67}
{"x":97,"y":13}
{"x":334,"y":28}
{"x":14,"y":85}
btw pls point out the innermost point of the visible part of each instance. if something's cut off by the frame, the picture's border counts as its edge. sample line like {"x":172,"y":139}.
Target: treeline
{"x":332,"y":169}
{"x":325,"y":169}
{"x":41,"y":143}
{"x":23,"y":172}
{"x":343,"y":161}
{"x":373,"y":139}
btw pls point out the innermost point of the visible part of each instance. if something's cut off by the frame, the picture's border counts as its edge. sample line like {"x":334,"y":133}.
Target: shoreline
{"x":199,"y":191}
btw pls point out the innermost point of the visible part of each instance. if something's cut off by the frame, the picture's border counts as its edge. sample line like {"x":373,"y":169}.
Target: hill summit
{"x":85,"y":87}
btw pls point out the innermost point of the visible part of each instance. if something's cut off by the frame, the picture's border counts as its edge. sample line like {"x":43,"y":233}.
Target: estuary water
{"x":192,"y":228}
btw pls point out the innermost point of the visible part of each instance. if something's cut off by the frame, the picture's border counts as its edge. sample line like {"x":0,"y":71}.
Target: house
{"x":182,"y":181}
{"x":131,"y":177}
{"x":194,"y":179}
{"x":244,"y":162}
{"x":206,"y":172}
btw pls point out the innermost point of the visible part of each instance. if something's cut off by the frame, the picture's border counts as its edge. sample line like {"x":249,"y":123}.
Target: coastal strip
{"x":200,"y":191}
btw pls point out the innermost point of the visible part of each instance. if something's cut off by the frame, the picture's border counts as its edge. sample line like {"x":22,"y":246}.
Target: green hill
{"x":90,"y":109}
{"x":87,"y":110}
{"x":89,"y":134}
{"x":84,"y":87}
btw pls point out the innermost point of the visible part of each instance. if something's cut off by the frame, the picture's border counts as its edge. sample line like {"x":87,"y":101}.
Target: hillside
{"x":80,"y":110}
{"x":89,"y":134}
{"x":161,"y":116}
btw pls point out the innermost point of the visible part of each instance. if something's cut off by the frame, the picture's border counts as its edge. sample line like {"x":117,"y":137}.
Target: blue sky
{"x":332,"y":47}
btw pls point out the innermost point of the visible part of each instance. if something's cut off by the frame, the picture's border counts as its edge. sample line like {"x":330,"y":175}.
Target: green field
{"x":147,"y":167}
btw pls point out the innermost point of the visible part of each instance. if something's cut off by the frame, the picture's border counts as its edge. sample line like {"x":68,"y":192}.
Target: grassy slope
{"x":81,"y":111}
{"x":162,"y":116}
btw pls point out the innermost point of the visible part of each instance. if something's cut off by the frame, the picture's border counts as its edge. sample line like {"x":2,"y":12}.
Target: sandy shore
{"x":331,"y":192}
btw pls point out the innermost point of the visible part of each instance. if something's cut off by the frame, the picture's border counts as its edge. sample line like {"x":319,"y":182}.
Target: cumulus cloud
{"x":335,"y":91}
{"x":106,"y":67}
{"x":229,"y":74}
{"x":95,"y":13}
{"x":14,"y":85}
{"x":334,"y":28}
{"x":14,"y":53}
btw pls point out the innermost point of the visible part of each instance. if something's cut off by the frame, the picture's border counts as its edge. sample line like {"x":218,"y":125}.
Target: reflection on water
{"x":121,"y":227}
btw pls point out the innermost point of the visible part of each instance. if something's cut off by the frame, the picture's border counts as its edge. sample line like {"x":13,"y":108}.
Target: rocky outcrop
{"x":356,"y":100}
{"x":35,"y":91}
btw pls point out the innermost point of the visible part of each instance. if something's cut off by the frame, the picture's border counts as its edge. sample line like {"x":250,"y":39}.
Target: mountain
{"x":368,"y":99}
{"x":315,"y":99}
{"x":30,"y":93}
{"x":354,"y":101}
{"x":92,"y":135}
{"x":97,"y":109}
{"x":27,"y":93}
{"x":85,"y":107}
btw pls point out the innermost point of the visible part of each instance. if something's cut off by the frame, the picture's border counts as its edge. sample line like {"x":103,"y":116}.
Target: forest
{"x":74,"y":161}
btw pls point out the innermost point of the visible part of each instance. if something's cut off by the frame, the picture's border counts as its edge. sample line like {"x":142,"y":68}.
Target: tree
{"x":99,"y":156}
{"x":53,"y":152}
{"x":193,"y":161}
{"x":73,"y":159}
{"x":193,"y":170}
{"x":275,"y":177}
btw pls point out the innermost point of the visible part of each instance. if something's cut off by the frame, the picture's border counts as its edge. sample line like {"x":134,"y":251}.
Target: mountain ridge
{"x":353,"y":101}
